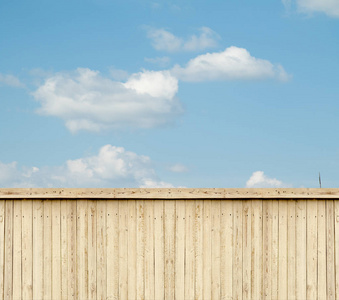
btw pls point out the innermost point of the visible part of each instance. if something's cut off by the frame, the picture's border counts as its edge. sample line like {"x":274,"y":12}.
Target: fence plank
{"x":198,"y":248}
{"x":8,"y":257}
{"x":283,"y":216}
{"x":132,"y":248}
{"x":17,"y":272}
{"x":64,"y":249}
{"x":149,"y":249}
{"x":312,"y":261}
{"x":2,"y":246}
{"x":140,"y":254}
{"x":27,"y":249}
{"x":237,"y":250}
{"x":56,"y":254}
{"x":92,"y":249}
{"x":275,"y":249}
{"x":180,"y":210}
{"x":336,"y":246}
{"x":226,"y":249}
{"x":123,"y":249}
{"x":267,"y":249}
{"x":159,"y":250}
{"x":330,"y":257}
{"x":82,"y":249}
{"x":71,"y":241}
{"x":215,"y":217}
{"x":247,"y":249}
{"x":101,"y":250}
{"x":207,"y":280}
{"x":257,"y":249}
{"x":291,"y":250}
{"x":112,"y":250}
{"x":321,"y":249}
{"x":190,"y":253}
{"x":301,"y":249}
{"x":47,"y":249}
{"x":38,"y":249}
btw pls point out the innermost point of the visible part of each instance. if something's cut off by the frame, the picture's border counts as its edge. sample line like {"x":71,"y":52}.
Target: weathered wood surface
{"x":169,"y":249}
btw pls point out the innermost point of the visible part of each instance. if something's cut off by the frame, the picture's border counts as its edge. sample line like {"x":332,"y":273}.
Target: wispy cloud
{"x":260,"y":180}
{"x":164,"y":40}
{"x":231,"y":64}
{"x":329,"y":7}
{"x":85,"y":100}
{"x":110,"y":167}
{"x":178,"y":168}
{"x":10,"y":80}
{"x":159,"y":61}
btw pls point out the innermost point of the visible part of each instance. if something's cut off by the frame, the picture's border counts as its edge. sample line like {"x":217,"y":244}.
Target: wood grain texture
{"x":159,"y":263}
{"x":17,"y":238}
{"x":247,"y":249}
{"x":301,"y":249}
{"x":2,"y":246}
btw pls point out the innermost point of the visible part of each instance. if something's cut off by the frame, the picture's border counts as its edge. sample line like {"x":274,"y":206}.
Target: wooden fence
{"x":169,"y":244}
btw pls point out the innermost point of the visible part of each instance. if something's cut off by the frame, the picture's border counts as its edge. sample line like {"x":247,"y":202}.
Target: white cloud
{"x":231,"y":64}
{"x":329,"y":7}
{"x":111,"y":167}
{"x":178,"y":168}
{"x":85,"y":100}
{"x":164,"y":40}
{"x":10,"y":80}
{"x":260,"y":180}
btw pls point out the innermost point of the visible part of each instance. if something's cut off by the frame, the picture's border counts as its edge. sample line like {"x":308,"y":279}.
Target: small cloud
{"x":164,"y":40}
{"x":231,"y":64}
{"x":159,"y":61}
{"x":10,"y":80}
{"x":260,"y":180}
{"x":178,"y":168}
{"x":329,"y":7}
{"x":118,"y":74}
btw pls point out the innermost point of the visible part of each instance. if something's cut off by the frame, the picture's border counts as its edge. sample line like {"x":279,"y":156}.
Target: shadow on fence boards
{"x":169,"y":244}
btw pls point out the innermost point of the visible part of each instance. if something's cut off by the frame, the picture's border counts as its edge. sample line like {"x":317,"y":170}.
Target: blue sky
{"x":112,"y":93}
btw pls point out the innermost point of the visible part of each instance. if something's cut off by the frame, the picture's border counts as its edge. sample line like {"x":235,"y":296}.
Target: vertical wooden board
{"x":257,"y":273}
{"x":275,"y":249}
{"x":159,"y":265}
{"x":101,"y":250}
{"x":17,"y":272}
{"x":71,"y":241}
{"x":247,"y":249}
{"x":47,"y":249}
{"x":311,"y":240}
{"x":82,"y":249}
{"x":267,"y":249}
{"x":215,"y":234}
{"x":56,"y":250}
{"x":92,"y":249}
{"x":27,"y":249}
{"x":149,"y":249}
{"x":190,"y":254}
{"x":301,"y":249}
{"x":336,"y":246}
{"x":140,"y":271}
{"x":198,"y":248}
{"x":237,"y":250}
{"x":64,"y":249}
{"x":321,"y":251}
{"x":330,"y":249}
{"x":282,"y":276}
{"x":123,"y":249}
{"x":8,"y":258}
{"x":169,"y":229}
{"x":132,"y":250}
{"x":112,"y":249}
{"x":38,"y":249}
{"x":207,"y":251}
{"x":226,"y":249}
{"x":291,"y":279}
{"x":2,"y":246}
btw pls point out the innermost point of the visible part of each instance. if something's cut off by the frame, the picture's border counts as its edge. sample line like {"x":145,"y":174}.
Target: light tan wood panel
{"x":8,"y":256}
{"x":159,"y":266}
{"x":321,"y":249}
{"x":190,"y":252}
{"x":101,"y":250}
{"x":17,"y":271}
{"x":237,"y":250}
{"x":71,"y":241}
{"x":149,"y":249}
{"x":207,"y":250}
{"x":336,"y":246}
{"x":301,"y":249}
{"x":2,"y":246}
{"x":215,"y":236}
{"x":330,"y":255}
{"x":198,"y":248}
{"x":123,"y":249}
{"x":267,"y":249}
{"x":47,"y":249}
{"x":291,"y":279}
{"x":169,"y":229}
{"x":247,"y":249}
{"x":140,"y":248}
{"x":92,"y":249}
{"x":56,"y":250}
{"x":275,"y":249}
{"x":64,"y":249}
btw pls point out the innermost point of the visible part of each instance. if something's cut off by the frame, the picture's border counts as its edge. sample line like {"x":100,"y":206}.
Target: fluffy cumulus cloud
{"x":85,"y":100}
{"x":164,"y":40}
{"x":111,"y":167}
{"x":329,"y":7}
{"x":10,"y":80}
{"x":260,"y":180}
{"x":231,"y":64}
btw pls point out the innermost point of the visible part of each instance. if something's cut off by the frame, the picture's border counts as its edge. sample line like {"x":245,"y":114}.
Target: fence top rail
{"x":168,"y":193}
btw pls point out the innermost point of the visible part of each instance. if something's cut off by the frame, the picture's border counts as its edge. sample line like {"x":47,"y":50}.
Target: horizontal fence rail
{"x":169,"y":243}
